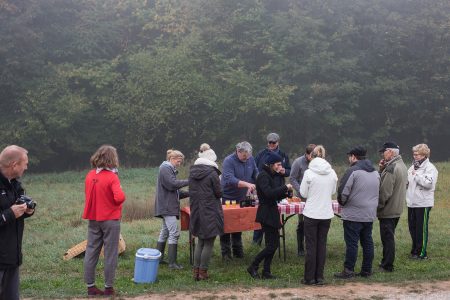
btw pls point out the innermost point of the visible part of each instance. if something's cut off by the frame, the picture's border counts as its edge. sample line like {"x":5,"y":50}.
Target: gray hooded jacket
{"x":358,"y":192}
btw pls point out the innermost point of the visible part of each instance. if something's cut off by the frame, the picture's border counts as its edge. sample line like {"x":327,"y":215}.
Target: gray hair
{"x":244,"y":147}
{"x":395,"y":151}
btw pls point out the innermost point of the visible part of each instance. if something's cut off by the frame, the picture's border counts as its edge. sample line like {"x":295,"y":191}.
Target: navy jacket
{"x":233,"y":171}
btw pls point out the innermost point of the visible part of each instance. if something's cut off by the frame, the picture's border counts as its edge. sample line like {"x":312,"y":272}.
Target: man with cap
{"x":394,"y":179}
{"x":273,"y":146}
{"x":358,"y":195}
{"x":270,"y":192}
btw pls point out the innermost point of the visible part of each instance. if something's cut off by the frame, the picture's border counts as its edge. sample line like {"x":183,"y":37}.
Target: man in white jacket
{"x":422,"y":177}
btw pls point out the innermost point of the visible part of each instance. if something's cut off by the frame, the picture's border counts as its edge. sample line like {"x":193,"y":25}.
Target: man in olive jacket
{"x":394,"y":179}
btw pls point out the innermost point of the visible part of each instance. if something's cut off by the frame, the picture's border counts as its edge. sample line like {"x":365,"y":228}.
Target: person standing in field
{"x":13,"y":163}
{"x":167,"y":205}
{"x":317,"y":187}
{"x":206,"y":220}
{"x":394,"y":179}
{"x":299,"y":167}
{"x":358,"y":196}
{"x":104,"y":198}
{"x":238,"y":180}
{"x":422,"y":178}
{"x":273,"y":146}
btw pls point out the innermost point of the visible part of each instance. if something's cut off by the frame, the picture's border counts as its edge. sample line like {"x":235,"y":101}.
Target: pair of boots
{"x":200,"y":274}
{"x":173,"y":250}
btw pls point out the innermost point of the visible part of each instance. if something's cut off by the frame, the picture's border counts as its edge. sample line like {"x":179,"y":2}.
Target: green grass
{"x":57,"y":226}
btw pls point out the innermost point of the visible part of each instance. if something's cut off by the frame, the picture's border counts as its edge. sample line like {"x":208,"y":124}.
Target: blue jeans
{"x":355,"y":232}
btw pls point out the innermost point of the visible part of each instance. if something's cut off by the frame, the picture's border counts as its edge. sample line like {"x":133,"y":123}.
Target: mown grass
{"x":57,"y":226}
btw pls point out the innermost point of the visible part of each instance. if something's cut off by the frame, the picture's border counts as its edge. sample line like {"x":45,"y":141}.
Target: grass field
{"x":57,"y":226}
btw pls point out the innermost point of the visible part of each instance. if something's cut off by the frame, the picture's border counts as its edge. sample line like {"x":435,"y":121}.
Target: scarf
{"x":417,"y":163}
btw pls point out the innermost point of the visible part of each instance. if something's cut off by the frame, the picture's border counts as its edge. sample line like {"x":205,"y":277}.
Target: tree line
{"x":148,"y":75}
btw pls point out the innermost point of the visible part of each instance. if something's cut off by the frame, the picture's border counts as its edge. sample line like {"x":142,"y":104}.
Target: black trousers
{"x":233,"y":241}
{"x":316,"y":232}
{"x":300,"y":233}
{"x":387,"y":234}
{"x":418,"y":229}
{"x":9,"y":284}
{"x":272,"y":240}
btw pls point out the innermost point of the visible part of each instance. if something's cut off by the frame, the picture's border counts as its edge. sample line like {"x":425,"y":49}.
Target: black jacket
{"x":11,"y":229}
{"x":270,"y":192}
{"x":206,"y":219}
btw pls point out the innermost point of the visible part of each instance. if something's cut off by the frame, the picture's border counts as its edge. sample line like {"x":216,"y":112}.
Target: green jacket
{"x":394,"y":180}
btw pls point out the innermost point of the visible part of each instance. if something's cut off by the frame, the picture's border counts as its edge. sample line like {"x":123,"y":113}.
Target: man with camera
{"x":14,"y":208}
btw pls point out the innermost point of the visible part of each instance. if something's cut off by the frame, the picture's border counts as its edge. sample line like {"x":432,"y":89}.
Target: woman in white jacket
{"x":317,"y":187}
{"x":422,"y":177}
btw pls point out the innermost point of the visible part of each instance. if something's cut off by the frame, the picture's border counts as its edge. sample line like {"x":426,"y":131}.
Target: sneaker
{"x":383,"y":270}
{"x":109,"y":291}
{"x":268,"y":275}
{"x":345,"y":274}
{"x":414,"y":256}
{"x":364,"y":274}
{"x":422,"y":257}
{"x":253,"y":272}
{"x":94,"y":291}
{"x":308,"y":282}
{"x":320,"y":281}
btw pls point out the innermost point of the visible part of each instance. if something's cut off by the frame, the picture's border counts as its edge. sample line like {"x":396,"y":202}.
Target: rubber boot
{"x":173,"y":249}
{"x":161,"y":246}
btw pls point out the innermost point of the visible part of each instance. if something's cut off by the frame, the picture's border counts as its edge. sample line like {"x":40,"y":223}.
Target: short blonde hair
{"x":319,"y":151}
{"x":105,"y":157}
{"x":11,"y":154}
{"x":172,"y":153}
{"x":422,"y":149}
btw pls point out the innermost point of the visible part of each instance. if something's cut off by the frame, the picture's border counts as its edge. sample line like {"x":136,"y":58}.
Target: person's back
{"x":359,"y":192}
{"x":318,"y":185}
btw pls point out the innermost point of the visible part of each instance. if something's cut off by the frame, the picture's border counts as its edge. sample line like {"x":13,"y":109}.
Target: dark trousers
{"x":232,"y":241}
{"x":355,"y":232}
{"x":272,"y":241}
{"x":258,"y":236}
{"x":316,"y":232}
{"x":300,"y":233}
{"x":418,"y":228}
{"x":9,"y":284}
{"x":387,"y":234}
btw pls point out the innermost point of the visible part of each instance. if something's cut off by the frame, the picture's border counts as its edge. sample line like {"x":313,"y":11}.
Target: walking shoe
{"x":384,"y":270}
{"x":109,"y":291}
{"x":253,"y":272}
{"x":308,"y":282}
{"x":364,"y":274}
{"x":414,"y":256}
{"x":94,"y":291}
{"x":345,"y":274}
{"x":268,"y":275}
{"x":422,"y":257}
{"x":301,"y":253}
{"x":203,"y":274}
{"x":195,"y":272}
{"x":320,"y":281}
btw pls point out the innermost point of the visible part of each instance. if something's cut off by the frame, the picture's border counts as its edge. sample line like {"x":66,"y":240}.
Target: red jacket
{"x":104,"y":196}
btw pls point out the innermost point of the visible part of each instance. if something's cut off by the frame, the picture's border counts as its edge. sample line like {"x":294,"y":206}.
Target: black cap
{"x":359,"y":151}
{"x":389,"y":145}
{"x":272,"y":158}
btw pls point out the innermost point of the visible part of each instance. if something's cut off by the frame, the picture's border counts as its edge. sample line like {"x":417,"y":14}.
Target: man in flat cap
{"x":358,"y":195}
{"x":394,"y":179}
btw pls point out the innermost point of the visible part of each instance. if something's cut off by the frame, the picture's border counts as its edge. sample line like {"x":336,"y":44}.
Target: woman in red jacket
{"x":103,"y":209}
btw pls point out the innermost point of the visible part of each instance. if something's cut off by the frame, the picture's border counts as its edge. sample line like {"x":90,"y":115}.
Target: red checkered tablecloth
{"x":297,"y":208}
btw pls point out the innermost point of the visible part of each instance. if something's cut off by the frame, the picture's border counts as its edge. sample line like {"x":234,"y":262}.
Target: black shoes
{"x":253,"y":272}
{"x":308,"y":282}
{"x":364,"y":274}
{"x":301,"y":253}
{"x":268,"y":275}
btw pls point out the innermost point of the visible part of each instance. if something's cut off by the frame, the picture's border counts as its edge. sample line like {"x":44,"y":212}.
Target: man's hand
{"x":289,"y":186}
{"x":29,"y":211}
{"x":251,"y":187}
{"x":19,"y":209}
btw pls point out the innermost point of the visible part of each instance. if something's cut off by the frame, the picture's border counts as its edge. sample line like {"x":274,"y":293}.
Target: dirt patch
{"x":349,"y":291}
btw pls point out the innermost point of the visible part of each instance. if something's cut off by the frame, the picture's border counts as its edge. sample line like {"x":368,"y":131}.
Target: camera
{"x":26,"y":200}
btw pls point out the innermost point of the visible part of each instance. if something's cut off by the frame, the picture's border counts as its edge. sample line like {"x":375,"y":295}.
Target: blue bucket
{"x":146,"y":265}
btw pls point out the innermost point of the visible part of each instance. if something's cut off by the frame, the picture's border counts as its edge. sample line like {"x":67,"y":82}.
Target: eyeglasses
{"x":272,"y":142}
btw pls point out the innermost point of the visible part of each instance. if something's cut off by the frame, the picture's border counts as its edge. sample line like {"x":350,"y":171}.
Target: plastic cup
{"x":233,"y":203}
{"x":227,"y":203}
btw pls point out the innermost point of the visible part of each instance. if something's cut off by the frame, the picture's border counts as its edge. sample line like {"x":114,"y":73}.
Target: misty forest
{"x":148,"y":75}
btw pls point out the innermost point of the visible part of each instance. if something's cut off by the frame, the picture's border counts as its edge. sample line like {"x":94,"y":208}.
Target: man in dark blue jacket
{"x":273,"y":146}
{"x":13,"y":163}
{"x":238,"y":179}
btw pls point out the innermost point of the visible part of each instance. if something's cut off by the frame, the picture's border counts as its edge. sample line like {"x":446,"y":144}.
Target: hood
{"x":365,"y":165}
{"x":198,"y":172}
{"x":320,"y":166}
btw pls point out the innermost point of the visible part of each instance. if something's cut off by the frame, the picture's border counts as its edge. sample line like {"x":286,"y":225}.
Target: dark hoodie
{"x":206,"y":219}
{"x":358,"y":192}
